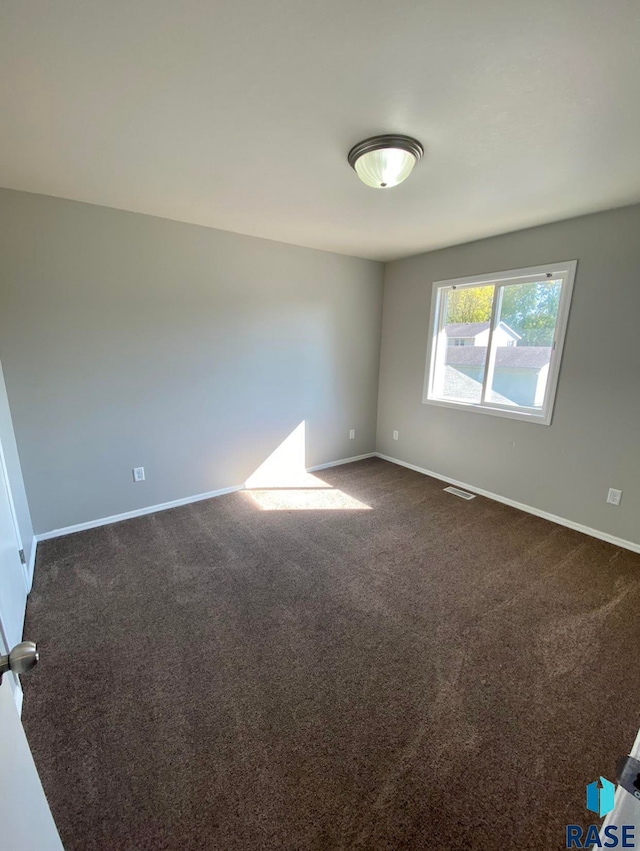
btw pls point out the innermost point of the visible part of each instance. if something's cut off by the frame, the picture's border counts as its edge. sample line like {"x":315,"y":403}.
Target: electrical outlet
{"x":395,"y":435}
{"x":138,"y":474}
{"x":352,"y":433}
{"x":614,"y":496}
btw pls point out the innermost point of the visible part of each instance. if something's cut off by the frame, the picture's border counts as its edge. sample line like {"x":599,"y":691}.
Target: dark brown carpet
{"x":431,"y":673}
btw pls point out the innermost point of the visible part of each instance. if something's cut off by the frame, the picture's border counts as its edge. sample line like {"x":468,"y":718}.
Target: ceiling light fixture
{"x":385,"y":161}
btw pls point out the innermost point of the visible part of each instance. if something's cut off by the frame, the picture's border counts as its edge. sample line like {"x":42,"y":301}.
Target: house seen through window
{"x":496,"y":341}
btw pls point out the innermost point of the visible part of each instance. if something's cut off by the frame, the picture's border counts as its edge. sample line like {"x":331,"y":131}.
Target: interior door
{"x":26,"y":823}
{"x":13,"y":588}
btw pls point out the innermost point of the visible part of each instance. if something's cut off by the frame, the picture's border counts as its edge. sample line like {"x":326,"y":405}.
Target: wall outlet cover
{"x":614,"y":496}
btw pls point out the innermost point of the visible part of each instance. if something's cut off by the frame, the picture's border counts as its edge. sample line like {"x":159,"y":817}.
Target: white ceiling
{"x":239,"y":115}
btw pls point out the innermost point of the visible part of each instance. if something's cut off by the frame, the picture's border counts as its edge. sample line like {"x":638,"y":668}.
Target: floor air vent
{"x":461,"y":494}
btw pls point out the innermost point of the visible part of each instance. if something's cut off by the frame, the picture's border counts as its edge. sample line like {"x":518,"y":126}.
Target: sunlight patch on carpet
{"x":318,"y":498}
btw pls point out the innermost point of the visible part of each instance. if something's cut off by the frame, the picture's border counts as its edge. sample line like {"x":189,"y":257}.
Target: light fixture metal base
{"x":389,"y":140}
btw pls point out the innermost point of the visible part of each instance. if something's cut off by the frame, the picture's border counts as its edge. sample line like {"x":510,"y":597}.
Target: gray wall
{"x":128,"y":340}
{"x":593,"y":442}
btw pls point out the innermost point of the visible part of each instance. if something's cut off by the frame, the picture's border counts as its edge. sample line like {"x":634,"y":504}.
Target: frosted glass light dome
{"x":385,"y":161}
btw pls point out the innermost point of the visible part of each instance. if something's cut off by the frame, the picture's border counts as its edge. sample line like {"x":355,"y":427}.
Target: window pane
{"x":523,"y":343}
{"x":461,"y":345}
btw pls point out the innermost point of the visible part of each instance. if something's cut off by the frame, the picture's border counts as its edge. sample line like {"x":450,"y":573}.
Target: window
{"x":496,"y":341}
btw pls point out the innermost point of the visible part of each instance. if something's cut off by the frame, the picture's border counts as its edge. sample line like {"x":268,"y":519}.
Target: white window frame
{"x":565,"y":271}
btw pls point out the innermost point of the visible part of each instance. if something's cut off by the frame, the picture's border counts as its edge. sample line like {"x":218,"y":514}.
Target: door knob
{"x":21,"y":659}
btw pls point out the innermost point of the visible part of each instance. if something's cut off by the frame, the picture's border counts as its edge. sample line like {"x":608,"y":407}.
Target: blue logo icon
{"x":600,"y":798}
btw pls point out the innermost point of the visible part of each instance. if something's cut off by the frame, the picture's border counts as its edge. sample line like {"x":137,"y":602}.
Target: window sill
{"x":529,"y":416}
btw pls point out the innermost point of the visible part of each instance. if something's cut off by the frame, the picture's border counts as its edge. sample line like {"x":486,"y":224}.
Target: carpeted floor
{"x":427,"y":674}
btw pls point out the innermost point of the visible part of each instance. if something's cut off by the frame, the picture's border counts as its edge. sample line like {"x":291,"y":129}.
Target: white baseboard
{"x":138,"y":512}
{"x":32,"y":563}
{"x":562,"y":521}
{"x":341,"y":461}
{"x":151,"y":509}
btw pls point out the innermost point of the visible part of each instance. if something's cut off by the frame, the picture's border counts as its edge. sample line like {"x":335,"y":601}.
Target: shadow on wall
{"x":282,"y":483}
